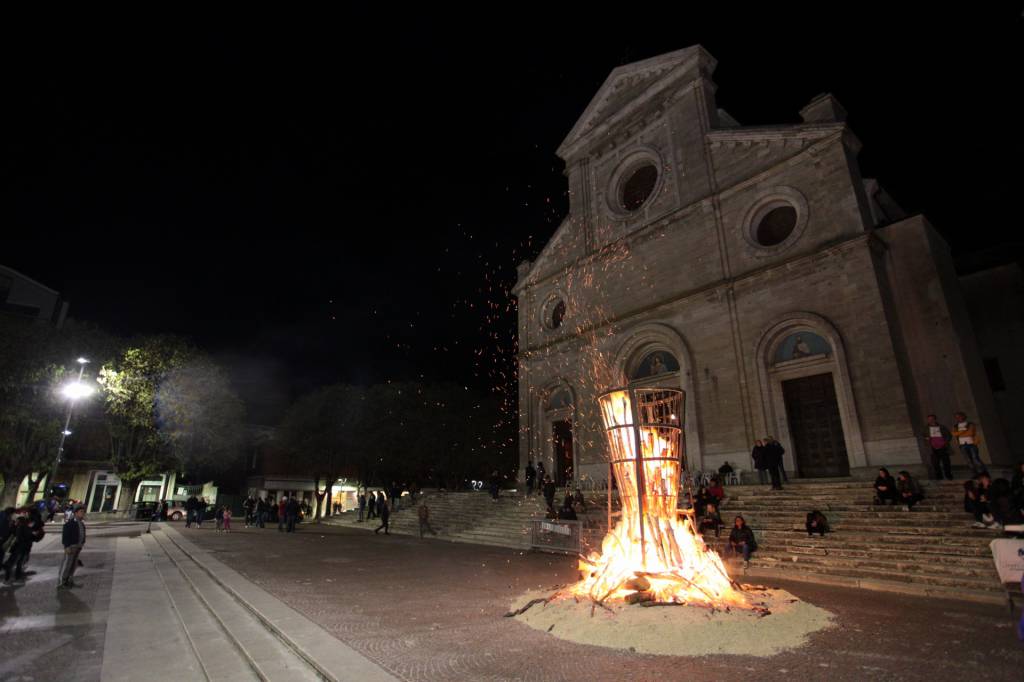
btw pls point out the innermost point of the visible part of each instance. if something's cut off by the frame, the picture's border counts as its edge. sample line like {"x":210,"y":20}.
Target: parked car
{"x":176,"y":510}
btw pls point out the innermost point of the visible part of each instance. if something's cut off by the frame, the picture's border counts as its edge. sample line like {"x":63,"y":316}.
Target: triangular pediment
{"x":629,"y":87}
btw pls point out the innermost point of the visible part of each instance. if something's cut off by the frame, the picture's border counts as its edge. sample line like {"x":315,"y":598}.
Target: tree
{"x":200,"y":417}
{"x":325,"y":430}
{"x":35,"y":359}
{"x":130,"y":385}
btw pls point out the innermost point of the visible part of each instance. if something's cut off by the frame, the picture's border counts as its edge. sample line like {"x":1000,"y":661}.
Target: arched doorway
{"x":807,"y":398}
{"x":558,"y":417}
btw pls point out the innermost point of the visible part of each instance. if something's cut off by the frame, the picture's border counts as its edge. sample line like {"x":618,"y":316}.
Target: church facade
{"x":755,"y":269}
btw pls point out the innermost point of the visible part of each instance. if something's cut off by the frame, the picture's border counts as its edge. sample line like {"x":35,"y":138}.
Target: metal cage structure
{"x":645,"y":439}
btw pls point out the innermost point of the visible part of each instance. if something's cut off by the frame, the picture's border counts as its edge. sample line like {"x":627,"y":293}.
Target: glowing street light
{"x":76,"y":390}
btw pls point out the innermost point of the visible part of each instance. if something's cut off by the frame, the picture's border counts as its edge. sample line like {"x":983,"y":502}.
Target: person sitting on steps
{"x":885,"y":488}
{"x":816,"y":523}
{"x":741,"y":540}
{"x":909,"y":490}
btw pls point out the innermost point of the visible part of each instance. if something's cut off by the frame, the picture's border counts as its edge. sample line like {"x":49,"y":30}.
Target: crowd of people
{"x":21,"y":529}
{"x":287,"y":512}
{"x":995,"y":503}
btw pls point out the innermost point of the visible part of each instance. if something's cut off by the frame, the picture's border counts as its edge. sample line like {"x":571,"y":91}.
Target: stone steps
{"x":239,"y":631}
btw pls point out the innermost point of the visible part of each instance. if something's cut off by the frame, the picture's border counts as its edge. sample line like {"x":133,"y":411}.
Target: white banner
{"x":555,"y":528}
{"x":1009,"y":557}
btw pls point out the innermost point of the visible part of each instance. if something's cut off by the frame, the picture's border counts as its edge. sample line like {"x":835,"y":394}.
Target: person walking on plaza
{"x":760,"y":460}
{"x":73,"y":539}
{"x":291,"y":511}
{"x":190,"y":510}
{"x":938,"y":439}
{"x":424,"y":515}
{"x":531,"y":477}
{"x":371,"y":505}
{"x":385,"y":514}
{"x":19,"y":550}
{"x":382,"y":503}
{"x":967,"y":438}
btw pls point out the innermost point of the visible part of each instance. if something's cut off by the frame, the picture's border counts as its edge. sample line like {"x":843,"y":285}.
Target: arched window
{"x":558,"y":400}
{"x":801,"y":345}
{"x":653,"y":364}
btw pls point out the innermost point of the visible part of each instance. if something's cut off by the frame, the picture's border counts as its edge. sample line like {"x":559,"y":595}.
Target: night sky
{"x":345,"y":199}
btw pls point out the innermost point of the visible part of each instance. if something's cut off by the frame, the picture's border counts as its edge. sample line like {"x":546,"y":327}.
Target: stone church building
{"x":752,"y":267}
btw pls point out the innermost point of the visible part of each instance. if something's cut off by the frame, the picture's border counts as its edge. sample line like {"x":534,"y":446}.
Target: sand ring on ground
{"x":681,"y":630}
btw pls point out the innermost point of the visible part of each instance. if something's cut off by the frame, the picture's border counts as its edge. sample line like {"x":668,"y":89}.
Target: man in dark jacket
{"x":549,"y":493}
{"x":741,"y":540}
{"x":291,"y":513}
{"x":531,"y":477}
{"x":771,"y":456}
{"x":385,"y":515}
{"x":775,"y":447}
{"x":73,"y":539}
{"x":23,"y":539}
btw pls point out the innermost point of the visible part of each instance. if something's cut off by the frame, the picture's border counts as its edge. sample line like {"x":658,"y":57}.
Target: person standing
{"x":531,"y":477}
{"x":281,"y":518}
{"x":772,"y":459}
{"x":227,"y":519}
{"x":938,"y":439}
{"x":549,"y":493}
{"x":967,"y":438}
{"x":495,"y":485}
{"x":190,"y":510}
{"x":542,"y":477}
{"x":385,"y":514}
{"x":424,"y":515}
{"x":19,"y":550}
{"x":371,"y":505}
{"x":262,"y":509}
{"x":778,"y":456}
{"x":757,"y":455}
{"x":362,"y":506}
{"x":291,"y":512}
{"x":73,"y":539}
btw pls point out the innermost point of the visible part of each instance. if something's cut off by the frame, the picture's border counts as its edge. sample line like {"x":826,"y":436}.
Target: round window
{"x":557,"y":315}
{"x":638,"y":187}
{"x":776,"y":225}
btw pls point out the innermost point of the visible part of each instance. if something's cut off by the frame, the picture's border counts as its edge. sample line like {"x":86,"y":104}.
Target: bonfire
{"x":653,"y":554}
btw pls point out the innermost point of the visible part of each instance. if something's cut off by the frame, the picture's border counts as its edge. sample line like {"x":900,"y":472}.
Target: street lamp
{"x":73,"y":391}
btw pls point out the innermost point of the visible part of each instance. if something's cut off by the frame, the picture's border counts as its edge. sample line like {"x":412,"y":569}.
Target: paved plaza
{"x":433,"y":610}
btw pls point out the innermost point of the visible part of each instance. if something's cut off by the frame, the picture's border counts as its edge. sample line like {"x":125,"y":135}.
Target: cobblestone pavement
{"x":48,"y":634}
{"x":432,"y":610}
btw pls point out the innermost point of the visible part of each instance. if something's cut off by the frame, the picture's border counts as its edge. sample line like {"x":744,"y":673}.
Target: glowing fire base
{"x":681,"y":631}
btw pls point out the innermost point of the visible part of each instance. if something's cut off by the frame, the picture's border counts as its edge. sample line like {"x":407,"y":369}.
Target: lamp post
{"x":72,"y":392}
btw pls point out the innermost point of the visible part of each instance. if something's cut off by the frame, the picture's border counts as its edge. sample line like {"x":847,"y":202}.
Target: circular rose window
{"x":776,"y":225}
{"x":638,"y":187}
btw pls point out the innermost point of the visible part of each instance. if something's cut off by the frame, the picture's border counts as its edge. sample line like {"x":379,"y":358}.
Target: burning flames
{"x":653,"y":553}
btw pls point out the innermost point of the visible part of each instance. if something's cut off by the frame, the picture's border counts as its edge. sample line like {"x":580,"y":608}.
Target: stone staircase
{"x":931,"y":550}
{"x":473,"y":517}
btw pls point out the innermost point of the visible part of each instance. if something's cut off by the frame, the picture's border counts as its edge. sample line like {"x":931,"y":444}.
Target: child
{"x":227,"y":520}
